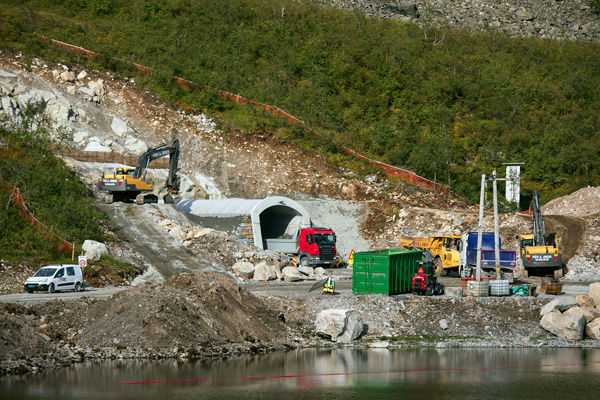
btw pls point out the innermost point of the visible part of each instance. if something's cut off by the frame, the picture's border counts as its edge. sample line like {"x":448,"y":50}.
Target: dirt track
{"x":570,"y":230}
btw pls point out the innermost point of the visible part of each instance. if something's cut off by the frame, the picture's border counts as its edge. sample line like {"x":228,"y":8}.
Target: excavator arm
{"x":539,"y":229}
{"x":168,"y":148}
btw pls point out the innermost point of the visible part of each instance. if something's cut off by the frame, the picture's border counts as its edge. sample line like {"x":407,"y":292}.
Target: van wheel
{"x":51,"y":288}
{"x":78,"y":287}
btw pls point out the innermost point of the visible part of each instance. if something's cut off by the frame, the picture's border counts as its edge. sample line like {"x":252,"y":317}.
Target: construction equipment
{"x":444,"y":248}
{"x":539,"y":258}
{"x":468,"y":257}
{"x":329,"y":286}
{"x":129,"y":184}
{"x":424,"y":281}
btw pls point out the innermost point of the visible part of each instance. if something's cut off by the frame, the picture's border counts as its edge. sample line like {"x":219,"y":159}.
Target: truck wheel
{"x":304,"y":261}
{"x":30,"y":291}
{"x":437,"y":264}
{"x":51,"y":288}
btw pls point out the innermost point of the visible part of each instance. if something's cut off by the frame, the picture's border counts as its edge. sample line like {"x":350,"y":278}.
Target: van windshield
{"x":45,"y":272}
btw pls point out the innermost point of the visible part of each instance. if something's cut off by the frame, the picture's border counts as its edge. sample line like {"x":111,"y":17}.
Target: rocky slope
{"x":563,"y":20}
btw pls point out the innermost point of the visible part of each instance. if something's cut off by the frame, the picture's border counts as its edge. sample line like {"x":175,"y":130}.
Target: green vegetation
{"x":448,"y":104}
{"x":51,"y":191}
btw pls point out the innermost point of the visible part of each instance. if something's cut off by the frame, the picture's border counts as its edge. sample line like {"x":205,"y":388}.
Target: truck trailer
{"x":468,"y":256}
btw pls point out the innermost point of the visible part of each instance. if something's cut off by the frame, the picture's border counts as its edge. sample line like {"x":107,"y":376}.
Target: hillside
{"x":448,"y":104}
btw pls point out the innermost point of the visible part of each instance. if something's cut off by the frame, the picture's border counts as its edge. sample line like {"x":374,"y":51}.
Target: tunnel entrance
{"x":275,"y":221}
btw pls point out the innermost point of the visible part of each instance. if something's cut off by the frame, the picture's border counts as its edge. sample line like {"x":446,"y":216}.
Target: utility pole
{"x":480,"y":228}
{"x":496,"y":230}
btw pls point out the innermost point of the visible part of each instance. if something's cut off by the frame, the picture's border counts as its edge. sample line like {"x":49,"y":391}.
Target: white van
{"x":54,"y":278}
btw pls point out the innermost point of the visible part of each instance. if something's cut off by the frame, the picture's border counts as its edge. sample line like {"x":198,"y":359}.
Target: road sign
{"x":82,"y":261}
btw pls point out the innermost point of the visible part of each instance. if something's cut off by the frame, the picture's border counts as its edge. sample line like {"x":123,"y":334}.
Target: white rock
{"x":443,"y":324}
{"x":97,"y":87}
{"x":342,"y":326}
{"x":86,"y":92}
{"x":561,"y":303}
{"x":81,"y":75}
{"x":8,"y":105}
{"x":565,"y":326}
{"x":453,"y":291}
{"x":307,"y":270}
{"x":8,"y":82}
{"x":67,"y":76}
{"x":202,"y":232}
{"x":94,"y":250}
{"x":95,"y":146}
{"x":243,"y":269}
{"x":80,"y":136}
{"x":593,"y":329}
{"x":320,"y":271}
{"x":585,"y":301}
{"x":290,"y":274}
{"x":134,"y":146}
{"x":264,"y":272}
{"x":119,"y":126}
{"x":72,"y":90}
{"x":589,"y":313}
{"x":177,"y":232}
{"x":594,"y":292}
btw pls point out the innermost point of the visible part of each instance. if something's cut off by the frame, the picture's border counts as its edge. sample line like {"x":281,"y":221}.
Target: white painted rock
{"x":290,"y":274}
{"x":243,"y":269}
{"x":119,"y":126}
{"x":342,"y":326}
{"x":593,"y":329}
{"x":594,"y":292}
{"x":565,"y":326}
{"x":94,"y":250}
{"x":561,"y":303}
{"x":264,"y":272}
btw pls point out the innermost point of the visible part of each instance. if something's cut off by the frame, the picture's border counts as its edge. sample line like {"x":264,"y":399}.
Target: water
{"x":330,"y":374}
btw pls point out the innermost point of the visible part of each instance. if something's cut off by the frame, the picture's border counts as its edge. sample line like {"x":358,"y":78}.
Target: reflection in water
{"x":309,"y":374}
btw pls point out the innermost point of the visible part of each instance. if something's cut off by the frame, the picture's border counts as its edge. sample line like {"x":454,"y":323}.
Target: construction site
{"x":224,"y":229}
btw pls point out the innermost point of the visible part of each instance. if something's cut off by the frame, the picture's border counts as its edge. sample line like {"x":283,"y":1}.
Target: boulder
{"x":443,"y":324}
{"x":87,"y":93}
{"x":94,"y":250}
{"x":81,"y":75}
{"x":97,"y":87}
{"x":243,"y":269}
{"x":320,"y":271}
{"x":68,"y":76}
{"x":593,"y":329}
{"x":264,"y":272}
{"x":594,"y":292}
{"x":585,"y":301}
{"x":79,"y":136}
{"x":119,"y":126}
{"x":95,"y":146}
{"x":587,"y":312}
{"x":59,"y":110}
{"x":8,"y":82}
{"x":307,"y":270}
{"x":290,"y":274}
{"x":453,"y":291}
{"x":565,"y":326}
{"x":340,"y":325}
{"x":134,"y":146}
{"x":561,"y":303}
{"x":9,"y":106}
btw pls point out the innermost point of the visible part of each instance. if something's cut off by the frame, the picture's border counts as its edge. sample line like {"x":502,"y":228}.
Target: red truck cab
{"x":316,"y":247}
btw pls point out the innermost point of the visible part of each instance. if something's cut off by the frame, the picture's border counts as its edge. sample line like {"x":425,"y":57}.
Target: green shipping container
{"x":384,"y":271}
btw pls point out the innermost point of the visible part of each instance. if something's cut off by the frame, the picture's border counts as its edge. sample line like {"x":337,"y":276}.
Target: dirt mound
{"x":582,"y":203}
{"x":188,"y":310}
{"x":13,"y":276}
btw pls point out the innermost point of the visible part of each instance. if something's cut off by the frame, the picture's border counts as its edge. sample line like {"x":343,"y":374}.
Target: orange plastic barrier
{"x":15,"y":194}
{"x":390,"y":170}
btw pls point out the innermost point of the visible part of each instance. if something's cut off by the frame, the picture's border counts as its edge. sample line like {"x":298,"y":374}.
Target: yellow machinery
{"x":129,"y":184}
{"x":445,"y":250}
{"x":539,"y":258}
{"x":329,"y":286}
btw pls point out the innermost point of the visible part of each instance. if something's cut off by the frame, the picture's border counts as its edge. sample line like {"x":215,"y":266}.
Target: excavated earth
{"x":186,"y":305}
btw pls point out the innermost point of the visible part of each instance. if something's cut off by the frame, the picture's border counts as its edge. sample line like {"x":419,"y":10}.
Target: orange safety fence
{"x":15,"y":195}
{"x":390,"y":170}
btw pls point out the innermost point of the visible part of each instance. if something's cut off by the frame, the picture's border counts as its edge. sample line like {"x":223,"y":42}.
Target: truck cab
{"x":316,"y":247}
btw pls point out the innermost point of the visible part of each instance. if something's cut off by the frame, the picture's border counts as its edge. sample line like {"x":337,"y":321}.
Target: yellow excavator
{"x":134,"y":184}
{"x":539,"y":256}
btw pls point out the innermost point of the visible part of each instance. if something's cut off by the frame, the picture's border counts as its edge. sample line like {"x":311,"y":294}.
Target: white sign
{"x":82,"y":261}
{"x":513,"y":183}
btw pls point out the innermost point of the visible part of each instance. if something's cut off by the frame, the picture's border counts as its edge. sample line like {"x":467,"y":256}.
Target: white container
{"x":499,"y":287}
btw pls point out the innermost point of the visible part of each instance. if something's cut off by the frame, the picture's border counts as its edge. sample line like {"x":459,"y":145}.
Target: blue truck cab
{"x":468,"y":256}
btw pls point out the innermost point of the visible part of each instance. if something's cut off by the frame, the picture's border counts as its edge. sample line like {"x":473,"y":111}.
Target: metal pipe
{"x":480,"y":228}
{"x":496,"y":230}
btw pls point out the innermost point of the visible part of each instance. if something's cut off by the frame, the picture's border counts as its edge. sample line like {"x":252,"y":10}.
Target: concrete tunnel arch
{"x":271,"y":218}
